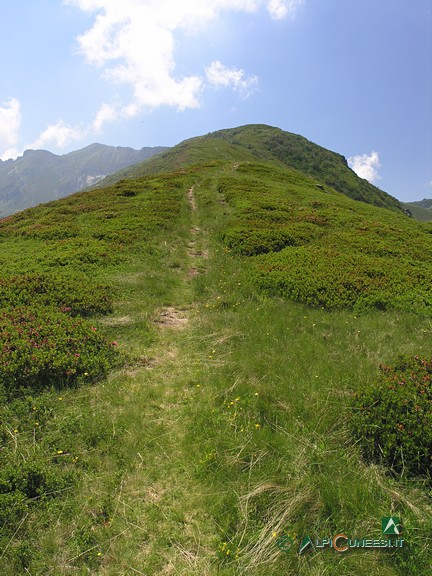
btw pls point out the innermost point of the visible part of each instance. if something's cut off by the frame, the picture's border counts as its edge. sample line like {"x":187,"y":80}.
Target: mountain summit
{"x":259,"y":142}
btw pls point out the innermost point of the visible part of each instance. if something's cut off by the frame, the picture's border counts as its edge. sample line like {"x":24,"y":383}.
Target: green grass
{"x":231,"y":429}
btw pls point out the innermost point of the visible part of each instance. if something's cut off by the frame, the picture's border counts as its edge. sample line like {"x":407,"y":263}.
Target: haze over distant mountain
{"x":425,"y":203}
{"x":421,"y":209}
{"x":40,"y":176}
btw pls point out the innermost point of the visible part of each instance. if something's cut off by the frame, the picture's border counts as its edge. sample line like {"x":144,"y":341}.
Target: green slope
{"x":194,"y":151}
{"x":273,"y":145}
{"x":249,"y":305}
{"x":420,"y":212}
{"x":297,"y":152}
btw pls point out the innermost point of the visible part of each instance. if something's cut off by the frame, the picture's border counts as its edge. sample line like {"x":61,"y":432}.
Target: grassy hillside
{"x":181,"y":355}
{"x":194,"y":151}
{"x":297,"y":152}
{"x":419,"y":212}
{"x":265,"y":143}
{"x":321,"y":248}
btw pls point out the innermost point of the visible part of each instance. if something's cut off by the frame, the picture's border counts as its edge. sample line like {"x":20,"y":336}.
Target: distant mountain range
{"x":425,"y":203}
{"x":40,"y":176}
{"x":421,"y":210}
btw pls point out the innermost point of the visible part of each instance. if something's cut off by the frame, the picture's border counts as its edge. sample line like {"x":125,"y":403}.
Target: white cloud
{"x":219,"y":75}
{"x":10,"y":121}
{"x":280,"y":9}
{"x":60,"y":134}
{"x":106,"y":113}
{"x":133,"y":43}
{"x":366,"y":166}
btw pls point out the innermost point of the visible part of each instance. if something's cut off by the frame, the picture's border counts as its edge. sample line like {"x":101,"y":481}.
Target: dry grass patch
{"x":171,"y":317}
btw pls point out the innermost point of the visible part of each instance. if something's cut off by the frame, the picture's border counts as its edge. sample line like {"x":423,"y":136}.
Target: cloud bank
{"x":59,"y":134}
{"x":219,"y":75}
{"x":366,"y":166}
{"x":10,"y":121}
{"x":133,"y":44}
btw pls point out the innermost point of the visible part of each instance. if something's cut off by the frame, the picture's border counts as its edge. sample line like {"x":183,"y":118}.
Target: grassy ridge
{"x":296,"y":152}
{"x":261,"y":143}
{"x":223,"y":433}
{"x":198,"y":150}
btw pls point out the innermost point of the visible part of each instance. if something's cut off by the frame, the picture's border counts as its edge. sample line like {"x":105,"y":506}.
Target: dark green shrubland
{"x":40,"y":347}
{"x":76,"y":295}
{"x":322,"y":249}
{"x":392,"y":417}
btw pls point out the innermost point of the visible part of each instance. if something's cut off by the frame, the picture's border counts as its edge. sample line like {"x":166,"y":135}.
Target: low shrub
{"x":41,"y":347}
{"x":392,"y":417}
{"x":26,"y":484}
{"x":76,"y":296}
{"x":249,"y":242}
{"x":83,"y":254}
{"x":50,"y":231}
{"x":333,"y":279}
{"x":32,"y":479}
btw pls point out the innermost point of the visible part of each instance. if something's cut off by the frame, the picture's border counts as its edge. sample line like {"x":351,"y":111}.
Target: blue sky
{"x":352,"y":76}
